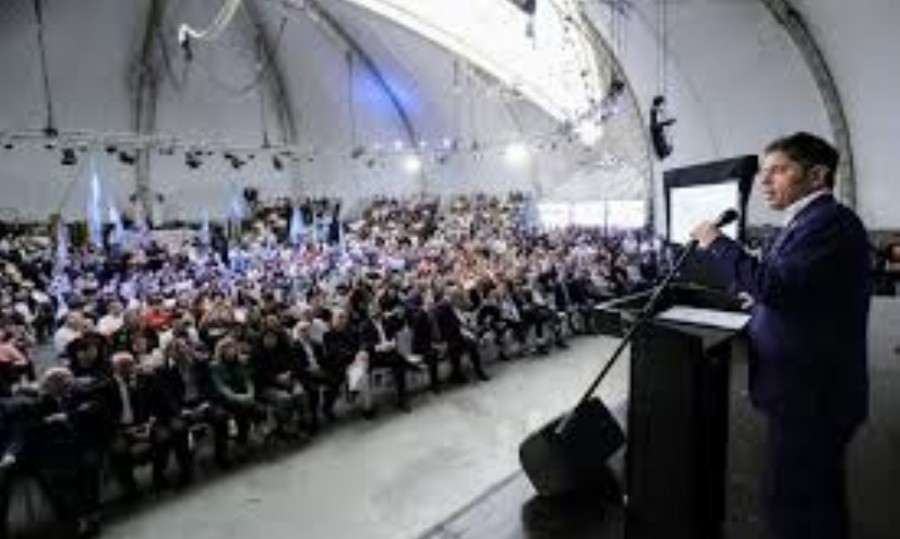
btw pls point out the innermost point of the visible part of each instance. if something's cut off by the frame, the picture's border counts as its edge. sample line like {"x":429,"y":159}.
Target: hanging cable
{"x":262,"y":110}
{"x":662,"y":66}
{"x":265,"y":64}
{"x":351,"y":105}
{"x":215,"y":28}
{"x":50,"y":129}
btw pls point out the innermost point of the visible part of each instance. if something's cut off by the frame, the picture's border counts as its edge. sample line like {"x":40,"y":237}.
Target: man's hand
{"x":705,"y":233}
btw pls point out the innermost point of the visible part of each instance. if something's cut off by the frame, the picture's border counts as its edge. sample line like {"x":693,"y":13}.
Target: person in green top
{"x":232,"y":388}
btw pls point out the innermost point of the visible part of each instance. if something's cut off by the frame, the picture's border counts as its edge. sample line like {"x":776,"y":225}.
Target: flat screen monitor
{"x":691,"y":204}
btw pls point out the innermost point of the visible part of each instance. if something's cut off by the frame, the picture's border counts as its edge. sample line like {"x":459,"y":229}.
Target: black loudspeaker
{"x":559,"y":464}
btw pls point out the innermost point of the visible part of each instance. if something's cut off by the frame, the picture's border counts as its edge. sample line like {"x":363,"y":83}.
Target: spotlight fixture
{"x":412,"y":164}
{"x":276,"y":163}
{"x":111,"y":149}
{"x":516,"y":154}
{"x":126,"y":158}
{"x":68,"y":157}
{"x":185,"y":41}
{"x":51,"y":132}
{"x":357,"y":152}
{"x":8,"y":146}
{"x":191,"y":160}
{"x":236,"y":163}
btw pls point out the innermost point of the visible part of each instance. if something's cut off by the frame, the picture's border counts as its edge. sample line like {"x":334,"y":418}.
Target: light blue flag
{"x":94,"y":218}
{"x":236,"y":208}
{"x":204,"y":229}
{"x":315,"y":225}
{"x":62,"y":245}
{"x":115,"y":218}
{"x":342,"y":244}
{"x":297,"y":230}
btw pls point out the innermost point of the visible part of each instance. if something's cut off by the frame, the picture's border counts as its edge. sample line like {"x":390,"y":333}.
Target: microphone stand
{"x":646,"y":314}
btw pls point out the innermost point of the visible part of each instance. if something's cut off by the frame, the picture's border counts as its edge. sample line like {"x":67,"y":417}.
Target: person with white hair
{"x":73,"y":326}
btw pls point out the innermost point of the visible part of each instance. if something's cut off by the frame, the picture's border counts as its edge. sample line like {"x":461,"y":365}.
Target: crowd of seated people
{"x":157,"y":346}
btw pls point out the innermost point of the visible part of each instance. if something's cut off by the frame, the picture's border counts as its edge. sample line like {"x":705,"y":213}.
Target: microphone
{"x":726,"y":218}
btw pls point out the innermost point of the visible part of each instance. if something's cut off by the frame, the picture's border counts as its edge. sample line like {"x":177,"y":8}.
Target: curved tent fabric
{"x":342,"y":96}
{"x":736,"y":79}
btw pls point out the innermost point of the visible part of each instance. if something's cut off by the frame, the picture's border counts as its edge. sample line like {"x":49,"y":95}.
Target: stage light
{"x":276,"y":163}
{"x":191,"y":160}
{"x":589,"y":132}
{"x":412,"y":164}
{"x":68,"y":157}
{"x":516,"y":154}
{"x":126,"y":158}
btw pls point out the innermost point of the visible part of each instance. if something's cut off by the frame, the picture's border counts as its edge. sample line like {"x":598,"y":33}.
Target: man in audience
{"x":273,"y":369}
{"x":315,"y":372}
{"x":347,"y":356}
{"x":456,"y":332}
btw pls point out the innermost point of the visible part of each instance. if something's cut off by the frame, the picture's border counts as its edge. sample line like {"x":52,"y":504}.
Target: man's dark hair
{"x":808,"y":150}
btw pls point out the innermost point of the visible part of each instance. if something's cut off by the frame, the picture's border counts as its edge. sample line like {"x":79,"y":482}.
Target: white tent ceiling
{"x":344,"y":78}
{"x":735,"y":79}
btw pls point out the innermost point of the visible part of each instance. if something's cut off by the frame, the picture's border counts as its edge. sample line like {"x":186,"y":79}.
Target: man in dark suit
{"x":807,"y":336}
{"x":459,"y":337}
{"x":313,"y":372}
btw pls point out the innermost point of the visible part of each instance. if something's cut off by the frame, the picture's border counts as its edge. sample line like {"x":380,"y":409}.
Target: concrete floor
{"x":392,"y":478}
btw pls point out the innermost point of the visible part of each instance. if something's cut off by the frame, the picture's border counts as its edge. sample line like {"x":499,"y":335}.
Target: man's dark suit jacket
{"x":808,"y":329}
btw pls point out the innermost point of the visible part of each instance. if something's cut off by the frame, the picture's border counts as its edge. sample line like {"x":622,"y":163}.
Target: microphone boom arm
{"x":646,"y":314}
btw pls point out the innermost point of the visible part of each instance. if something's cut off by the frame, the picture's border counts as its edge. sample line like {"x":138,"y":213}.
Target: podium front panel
{"x":677,"y":433}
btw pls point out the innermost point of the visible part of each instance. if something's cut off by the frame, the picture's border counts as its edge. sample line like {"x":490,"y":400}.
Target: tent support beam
{"x":144,"y":95}
{"x":799,"y":32}
{"x":335,"y":26}
{"x":277,"y":86}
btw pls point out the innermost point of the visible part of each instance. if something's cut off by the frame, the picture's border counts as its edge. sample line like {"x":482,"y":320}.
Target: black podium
{"x":677,"y":428}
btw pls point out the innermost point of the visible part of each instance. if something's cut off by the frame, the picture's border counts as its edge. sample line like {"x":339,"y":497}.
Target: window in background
{"x":626,"y":214}
{"x":591,"y":213}
{"x":555,"y":214}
